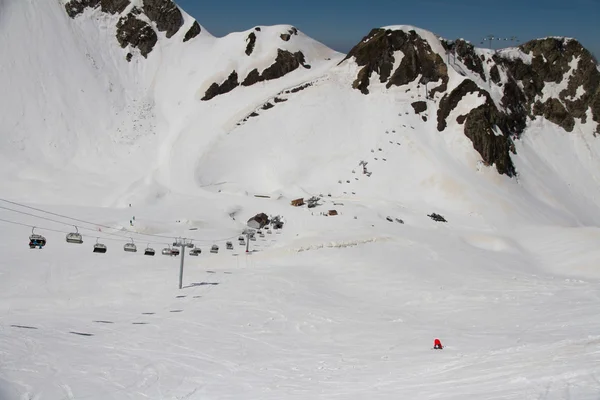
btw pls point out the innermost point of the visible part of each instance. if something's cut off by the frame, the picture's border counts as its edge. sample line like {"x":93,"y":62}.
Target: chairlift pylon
{"x":74,"y":237}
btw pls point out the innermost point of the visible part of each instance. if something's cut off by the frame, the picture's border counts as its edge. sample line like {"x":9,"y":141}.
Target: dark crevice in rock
{"x":251,"y":42}
{"x":165,"y":14}
{"x":495,"y":74}
{"x":285,"y":37}
{"x":215,"y":89}
{"x":136,"y":33}
{"x":194,"y":31}
{"x":267,"y":106}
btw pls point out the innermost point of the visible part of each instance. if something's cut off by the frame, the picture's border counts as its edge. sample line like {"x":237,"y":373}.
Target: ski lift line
{"x":64,"y":223}
{"x":100,"y":225}
{"x":77,"y":219}
{"x":59,"y":231}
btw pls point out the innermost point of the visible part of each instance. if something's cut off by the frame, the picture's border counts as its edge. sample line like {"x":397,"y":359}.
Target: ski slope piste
{"x":456,"y":197}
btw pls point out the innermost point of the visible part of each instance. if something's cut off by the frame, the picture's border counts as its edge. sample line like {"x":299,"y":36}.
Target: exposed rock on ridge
{"x":524,"y":86}
{"x":375,"y":53}
{"x":133,"y":31}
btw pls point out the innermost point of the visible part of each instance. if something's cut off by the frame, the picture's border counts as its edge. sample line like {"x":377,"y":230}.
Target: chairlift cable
{"x":100,"y":225}
{"x":125,"y":236}
{"x":59,"y":231}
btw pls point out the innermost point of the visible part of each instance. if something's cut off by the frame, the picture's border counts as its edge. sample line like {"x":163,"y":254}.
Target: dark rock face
{"x":466,"y":53}
{"x":76,"y":7}
{"x":495,"y":74}
{"x":285,"y":37}
{"x":165,"y":14}
{"x":215,"y":89}
{"x":494,"y":149}
{"x":523,"y":84}
{"x":480,"y":124}
{"x":137,"y":33}
{"x":113,"y":6}
{"x":194,"y":31}
{"x":450,"y":101}
{"x":419,"y":106}
{"x":252,"y":78}
{"x":552,"y":59}
{"x":375,"y":53}
{"x":554,"y":111}
{"x":251,"y":42}
{"x":285,"y":63}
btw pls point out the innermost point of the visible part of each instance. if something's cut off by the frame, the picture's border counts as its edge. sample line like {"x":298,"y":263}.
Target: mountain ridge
{"x":173,"y":113}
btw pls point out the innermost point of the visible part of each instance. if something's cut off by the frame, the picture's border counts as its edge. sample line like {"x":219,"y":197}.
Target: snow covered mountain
{"x":139,"y":86}
{"x":131,"y":121}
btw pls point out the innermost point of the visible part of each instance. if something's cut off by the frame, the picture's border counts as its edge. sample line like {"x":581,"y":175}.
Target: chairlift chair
{"x":214,"y":248}
{"x":36,"y":240}
{"x":149,"y":251}
{"x":253,"y":238}
{"x":269,"y":231}
{"x":174,"y":251}
{"x":166,"y":251}
{"x":99,"y":247}
{"x":130,"y":247}
{"x":229,"y":246}
{"x":195,"y":251}
{"x":74,"y":237}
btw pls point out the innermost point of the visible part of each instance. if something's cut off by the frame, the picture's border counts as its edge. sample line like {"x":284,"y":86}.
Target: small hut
{"x":332,"y":212}
{"x":298,"y":202}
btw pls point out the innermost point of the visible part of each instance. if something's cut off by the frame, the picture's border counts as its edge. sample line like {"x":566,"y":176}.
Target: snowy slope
{"x":343,"y":306}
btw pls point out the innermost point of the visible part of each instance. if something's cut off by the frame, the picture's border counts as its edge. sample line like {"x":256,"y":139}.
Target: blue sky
{"x":341,"y":24}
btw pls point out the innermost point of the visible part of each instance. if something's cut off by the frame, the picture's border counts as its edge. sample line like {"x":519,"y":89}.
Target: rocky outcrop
{"x":136,"y":33}
{"x":465,"y":52}
{"x":285,"y":37}
{"x":285,"y":63}
{"x":375,"y":54}
{"x":251,"y":42}
{"x":485,"y":125}
{"x":481,"y":126}
{"x":552,"y":61}
{"x":165,"y":14}
{"x":419,"y":106}
{"x":252,"y":78}
{"x":76,"y":7}
{"x":215,"y":89}
{"x":132,"y":28}
{"x":113,"y":6}
{"x":194,"y":31}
